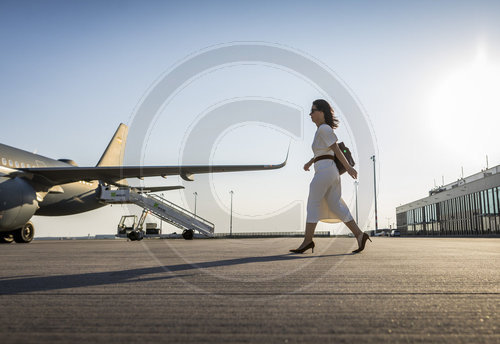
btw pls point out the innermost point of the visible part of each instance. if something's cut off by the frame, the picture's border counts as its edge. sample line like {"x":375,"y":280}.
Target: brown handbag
{"x":347,"y":154}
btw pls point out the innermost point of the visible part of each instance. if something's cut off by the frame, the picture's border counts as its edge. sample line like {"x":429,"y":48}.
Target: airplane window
{"x":4,"y":161}
{"x":11,"y":164}
{"x":17,"y":164}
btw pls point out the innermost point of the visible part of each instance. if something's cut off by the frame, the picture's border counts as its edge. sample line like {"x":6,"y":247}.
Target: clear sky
{"x":427,"y":74}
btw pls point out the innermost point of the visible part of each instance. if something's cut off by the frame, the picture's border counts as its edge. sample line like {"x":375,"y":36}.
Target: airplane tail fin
{"x":115,"y":151}
{"x":113,"y":155}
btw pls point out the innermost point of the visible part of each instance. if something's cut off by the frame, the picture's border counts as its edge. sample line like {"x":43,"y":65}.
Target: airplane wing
{"x":111,"y":174}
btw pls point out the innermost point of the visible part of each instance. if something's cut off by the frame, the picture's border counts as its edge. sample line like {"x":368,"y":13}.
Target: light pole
{"x":195,"y":194}
{"x":356,"y":183}
{"x":231,"y":217}
{"x":375,"y":192}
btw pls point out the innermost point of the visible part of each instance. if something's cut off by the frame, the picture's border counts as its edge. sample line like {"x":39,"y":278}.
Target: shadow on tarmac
{"x":22,"y":284}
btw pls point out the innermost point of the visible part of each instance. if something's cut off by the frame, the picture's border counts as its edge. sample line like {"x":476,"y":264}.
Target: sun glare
{"x":465,"y":103}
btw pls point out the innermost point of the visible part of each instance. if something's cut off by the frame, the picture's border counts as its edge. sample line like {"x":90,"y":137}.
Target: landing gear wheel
{"x":24,"y":234}
{"x":135,"y":235}
{"x":188,"y":234}
{"x":6,"y":238}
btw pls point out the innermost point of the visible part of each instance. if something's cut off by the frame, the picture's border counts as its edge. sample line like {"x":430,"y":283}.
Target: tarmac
{"x":399,"y":290}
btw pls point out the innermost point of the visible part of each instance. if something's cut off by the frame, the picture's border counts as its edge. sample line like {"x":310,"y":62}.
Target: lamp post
{"x":231,"y":216}
{"x":375,"y":192}
{"x":356,"y":183}
{"x":195,"y":195}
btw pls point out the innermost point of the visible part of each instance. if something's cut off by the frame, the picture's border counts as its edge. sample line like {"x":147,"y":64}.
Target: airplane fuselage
{"x":35,"y":198}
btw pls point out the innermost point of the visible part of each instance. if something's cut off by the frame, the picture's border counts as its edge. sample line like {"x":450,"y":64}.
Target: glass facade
{"x":477,"y":213}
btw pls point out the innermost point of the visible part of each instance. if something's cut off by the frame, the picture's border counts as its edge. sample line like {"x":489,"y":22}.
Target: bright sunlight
{"x":465,"y":103}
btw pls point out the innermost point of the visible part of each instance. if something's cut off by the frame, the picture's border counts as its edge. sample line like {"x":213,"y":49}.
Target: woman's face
{"x":317,"y":116}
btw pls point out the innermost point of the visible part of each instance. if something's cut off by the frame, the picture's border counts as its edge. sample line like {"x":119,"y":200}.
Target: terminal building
{"x":469,"y":206}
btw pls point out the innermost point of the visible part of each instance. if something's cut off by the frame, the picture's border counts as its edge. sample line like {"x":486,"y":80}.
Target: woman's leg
{"x":340,"y":209}
{"x":308,"y":237}
{"x":360,"y":236}
{"x":318,"y":187}
{"x":353,"y":226}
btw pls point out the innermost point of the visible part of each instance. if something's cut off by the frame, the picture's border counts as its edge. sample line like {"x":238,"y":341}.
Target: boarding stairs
{"x":159,"y":207}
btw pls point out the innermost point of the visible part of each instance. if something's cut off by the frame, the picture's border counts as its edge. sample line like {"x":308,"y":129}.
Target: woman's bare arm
{"x":308,"y":164}
{"x":340,"y":155}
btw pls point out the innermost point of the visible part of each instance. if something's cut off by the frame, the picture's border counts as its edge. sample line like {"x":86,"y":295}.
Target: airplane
{"x":32,"y":184}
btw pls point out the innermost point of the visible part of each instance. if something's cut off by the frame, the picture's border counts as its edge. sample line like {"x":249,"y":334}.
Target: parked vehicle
{"x":395,"y":233}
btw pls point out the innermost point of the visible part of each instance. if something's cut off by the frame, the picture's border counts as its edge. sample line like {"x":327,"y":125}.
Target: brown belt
{"x":322,"y":157}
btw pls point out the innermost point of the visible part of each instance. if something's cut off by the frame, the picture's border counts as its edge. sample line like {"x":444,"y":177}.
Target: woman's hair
{"x":330,"y":119}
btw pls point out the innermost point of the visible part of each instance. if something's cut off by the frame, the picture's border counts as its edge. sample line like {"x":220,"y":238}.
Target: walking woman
{"x":325,"y":202}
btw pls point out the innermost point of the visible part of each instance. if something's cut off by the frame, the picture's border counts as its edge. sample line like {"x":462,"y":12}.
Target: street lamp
{"x":356,"y":183}
{"x":231,"y":217}
{"x":195,"y":194}
{"x":375,"y":192}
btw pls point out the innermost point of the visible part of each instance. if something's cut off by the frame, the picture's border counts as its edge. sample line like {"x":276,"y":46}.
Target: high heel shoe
{"x":305,"y":248}
{"x":363,"y":242}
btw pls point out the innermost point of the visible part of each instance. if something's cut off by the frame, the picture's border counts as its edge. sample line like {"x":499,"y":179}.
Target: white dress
{"x":325,"y":203}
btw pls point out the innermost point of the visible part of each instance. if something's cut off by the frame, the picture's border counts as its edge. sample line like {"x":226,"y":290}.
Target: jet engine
{"x":18,"y":203}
